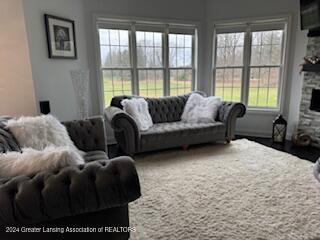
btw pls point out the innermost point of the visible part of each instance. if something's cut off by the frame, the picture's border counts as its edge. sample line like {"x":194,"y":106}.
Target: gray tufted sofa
{"x":94,"y":194}
{"x":168,"y":131}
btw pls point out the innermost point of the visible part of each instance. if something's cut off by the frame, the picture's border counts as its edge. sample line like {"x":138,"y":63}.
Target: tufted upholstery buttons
{"x":165,"y":109}
{"x":88,"y":135}
{"x":70,"y":192}
{"x":73,"y":190}
{"x":103,"y":164}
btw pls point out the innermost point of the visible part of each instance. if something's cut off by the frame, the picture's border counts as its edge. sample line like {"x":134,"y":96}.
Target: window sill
{"x":264,"y":111}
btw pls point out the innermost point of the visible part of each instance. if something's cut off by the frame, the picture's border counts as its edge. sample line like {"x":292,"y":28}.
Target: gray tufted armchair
{"x":94,"y":194}
{"x":168,"y":131}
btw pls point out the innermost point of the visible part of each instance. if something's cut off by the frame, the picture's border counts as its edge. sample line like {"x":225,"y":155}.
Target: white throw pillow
{"x":137,"y":108}
{"x":199,"y":109}
{"x":32,"y":161}
{"x":40,"y":132}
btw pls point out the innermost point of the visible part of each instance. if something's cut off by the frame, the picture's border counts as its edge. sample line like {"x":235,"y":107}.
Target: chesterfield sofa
{"x":95,"y":194}
{"x":168,"y":131}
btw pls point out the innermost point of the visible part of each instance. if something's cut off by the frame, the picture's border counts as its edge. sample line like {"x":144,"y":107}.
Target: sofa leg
{"x":185,"y":147}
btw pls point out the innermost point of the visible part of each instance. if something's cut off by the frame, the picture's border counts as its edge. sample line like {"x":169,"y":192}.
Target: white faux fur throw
{"x":138,"y":109}
{"x":199,"y":109}
{"x":32,"y":161}
{"x":40,"y":132}
{"x":45,"y":143}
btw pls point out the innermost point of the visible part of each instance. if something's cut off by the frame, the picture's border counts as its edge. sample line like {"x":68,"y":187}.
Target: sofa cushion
{"x":94,"y":156}
{"x":174,"y":131}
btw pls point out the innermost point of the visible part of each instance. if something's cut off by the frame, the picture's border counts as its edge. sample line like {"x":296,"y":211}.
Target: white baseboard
{"x":254,"y":133}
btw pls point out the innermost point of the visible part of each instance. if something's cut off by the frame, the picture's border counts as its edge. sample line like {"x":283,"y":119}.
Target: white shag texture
{"x":138,"y":109}
{"x":40,"y":132}
{"x":32,"y":161}
{"x":199,"y":109}
{"x":45,"y":143}
{"x":243,"y":190}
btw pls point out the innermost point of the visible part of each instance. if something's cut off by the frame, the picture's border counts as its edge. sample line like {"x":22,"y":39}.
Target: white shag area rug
{"x":243,"y":190}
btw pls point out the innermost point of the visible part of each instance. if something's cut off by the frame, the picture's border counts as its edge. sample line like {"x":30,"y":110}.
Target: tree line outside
{"x":263,"y":82}
{"x":118,"y":82}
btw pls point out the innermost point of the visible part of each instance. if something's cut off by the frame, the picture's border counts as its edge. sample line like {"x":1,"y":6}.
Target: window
{"x":180,"y":63}
{"x":115,"y":61}
{"x":248,"y":63}
{"x":150,"y":63}
{"x":146,"y":60}
{"x":265,"y":69}
{"x":229,"y":65}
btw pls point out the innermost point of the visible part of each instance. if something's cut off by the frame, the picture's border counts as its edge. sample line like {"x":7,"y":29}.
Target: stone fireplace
{"x":315,"y":100}
{"x":309,"y":119}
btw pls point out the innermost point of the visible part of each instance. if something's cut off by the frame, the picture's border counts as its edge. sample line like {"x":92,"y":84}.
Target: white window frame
{"x":247,"y":26}
{"x":166,"y":27}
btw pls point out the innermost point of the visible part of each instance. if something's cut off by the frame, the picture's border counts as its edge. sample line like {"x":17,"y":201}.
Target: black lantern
{"x":279,"y":130}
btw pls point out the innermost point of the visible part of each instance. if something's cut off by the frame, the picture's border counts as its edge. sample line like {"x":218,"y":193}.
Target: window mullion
{"x":246,"y":67}
{"x":165,"y":54}
{"x":214,"y":64}
{"x":281,"y":68}
{"x":134,"y":60}
{"x":193,"y":84}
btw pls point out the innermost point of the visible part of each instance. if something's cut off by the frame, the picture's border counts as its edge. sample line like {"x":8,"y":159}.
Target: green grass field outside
{"x":260,"y":97}
{"x":176,"y":88}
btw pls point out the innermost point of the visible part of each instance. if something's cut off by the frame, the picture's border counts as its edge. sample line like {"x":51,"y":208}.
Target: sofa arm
{"x":316,"y":170}
{"x":228,"y":114}
{"x":88,"y":134}
{"x":71,"y":191}
{"x":125,"y":129}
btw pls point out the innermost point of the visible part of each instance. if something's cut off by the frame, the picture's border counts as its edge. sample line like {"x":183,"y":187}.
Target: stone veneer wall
{"x":309,"y":121}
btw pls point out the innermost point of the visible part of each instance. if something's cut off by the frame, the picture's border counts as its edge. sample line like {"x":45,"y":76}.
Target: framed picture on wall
{"x":61,"y":37}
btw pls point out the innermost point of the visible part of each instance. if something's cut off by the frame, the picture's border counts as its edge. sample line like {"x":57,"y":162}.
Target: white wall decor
{"x":80,"y":81}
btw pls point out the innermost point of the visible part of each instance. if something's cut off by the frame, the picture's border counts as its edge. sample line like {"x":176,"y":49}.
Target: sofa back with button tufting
{"x":88,"y":134}
{"x":162,"y":109}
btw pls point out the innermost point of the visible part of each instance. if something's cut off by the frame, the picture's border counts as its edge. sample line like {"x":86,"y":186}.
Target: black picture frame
{"x":61,"y":37}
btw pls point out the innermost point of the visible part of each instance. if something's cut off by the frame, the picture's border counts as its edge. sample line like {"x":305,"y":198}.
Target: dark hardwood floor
{"x":308,"y":153}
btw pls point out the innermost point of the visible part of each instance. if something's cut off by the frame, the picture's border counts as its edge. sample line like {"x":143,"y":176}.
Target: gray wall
{"x":297,"y":79}
{"x":52,"y":78}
